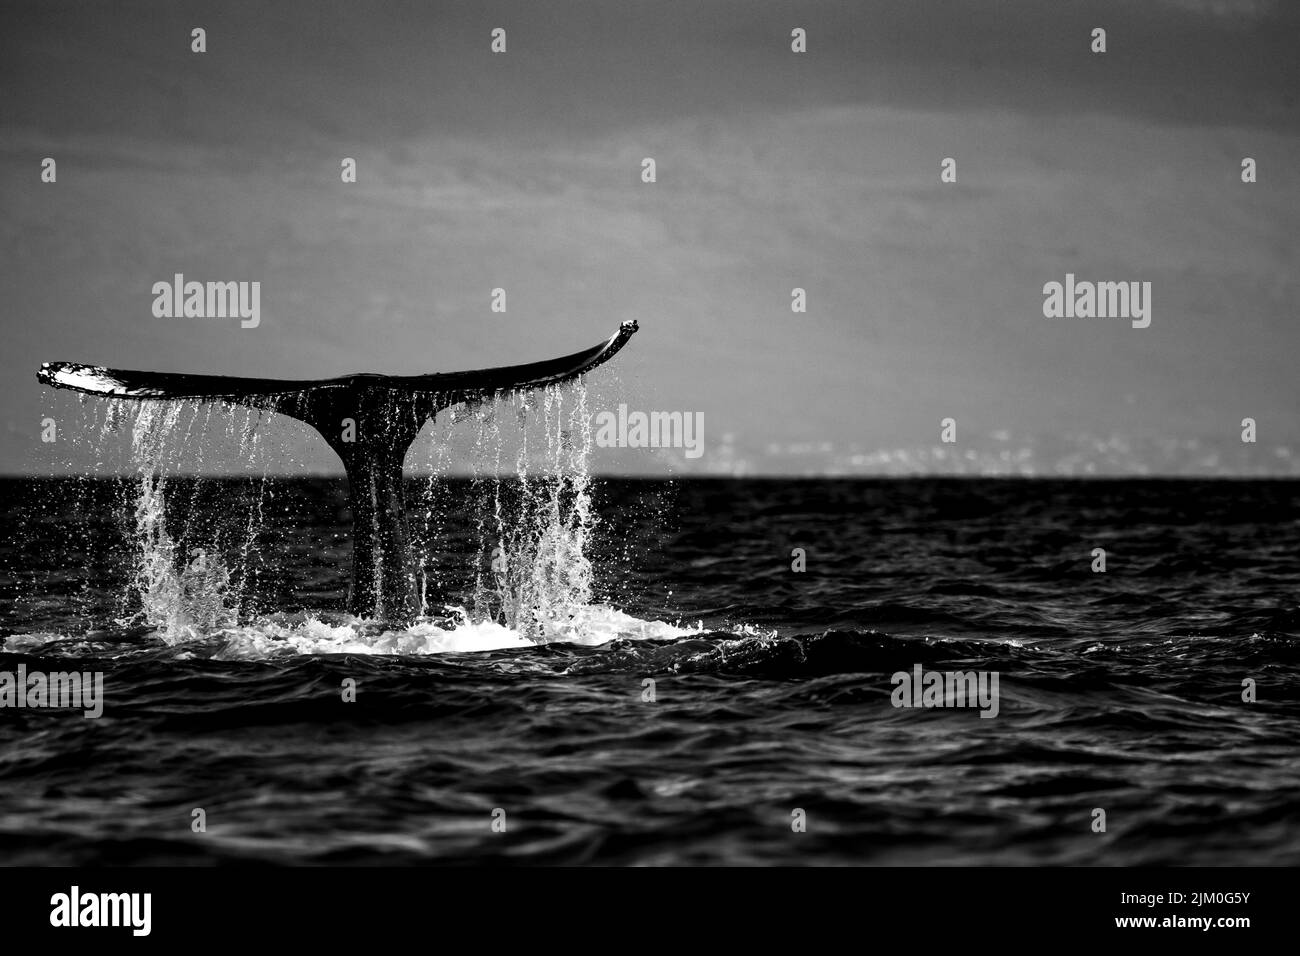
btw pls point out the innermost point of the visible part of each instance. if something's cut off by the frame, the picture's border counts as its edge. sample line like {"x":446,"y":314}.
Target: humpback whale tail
{"x":370,"y":421}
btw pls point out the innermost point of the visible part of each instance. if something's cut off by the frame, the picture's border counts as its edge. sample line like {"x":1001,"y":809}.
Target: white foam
{"x":589,"y":625}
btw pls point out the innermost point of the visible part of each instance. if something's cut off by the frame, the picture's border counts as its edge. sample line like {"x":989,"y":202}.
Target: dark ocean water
{"x":1119,"y":690}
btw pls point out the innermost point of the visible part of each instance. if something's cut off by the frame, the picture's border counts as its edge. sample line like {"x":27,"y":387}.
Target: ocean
{"x":673,"y":691}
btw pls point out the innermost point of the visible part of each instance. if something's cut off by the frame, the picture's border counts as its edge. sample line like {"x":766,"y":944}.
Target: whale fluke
{"x":370,"y":420}
{"x":466,"y":386}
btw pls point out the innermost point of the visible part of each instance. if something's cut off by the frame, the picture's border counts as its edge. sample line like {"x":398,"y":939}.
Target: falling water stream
{"x":196,"y":557}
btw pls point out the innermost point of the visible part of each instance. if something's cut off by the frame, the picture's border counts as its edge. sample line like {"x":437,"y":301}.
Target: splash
{"x":196,"y":559}
{"x":539,"y":575}
{"x":181,"y":596}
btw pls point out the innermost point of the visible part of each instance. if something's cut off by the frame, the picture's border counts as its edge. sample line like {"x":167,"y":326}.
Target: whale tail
{"x":370,"y":421}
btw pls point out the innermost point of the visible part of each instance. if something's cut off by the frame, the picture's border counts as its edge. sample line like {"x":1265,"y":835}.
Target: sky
{"x":774,"y":170}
